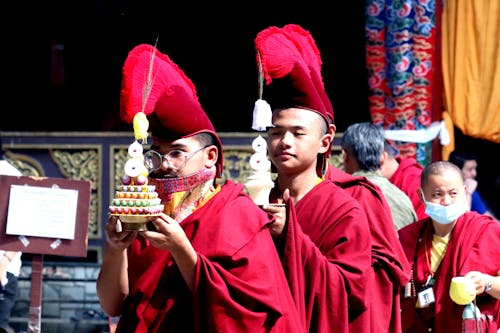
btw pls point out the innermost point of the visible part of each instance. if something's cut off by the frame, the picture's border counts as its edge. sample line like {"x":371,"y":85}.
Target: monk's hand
{"x":168,"y":235}
{"x":279,"y":212}
{"x":480,"y":280}
{"x":116,"y":238}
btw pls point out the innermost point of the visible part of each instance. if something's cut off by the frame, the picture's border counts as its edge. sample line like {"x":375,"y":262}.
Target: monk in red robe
{"x":451,"y":242}
{"x":390,"y":268}
{"x":208,"y":263}
{"x":322,"y":233}
{"x":326,"y":257}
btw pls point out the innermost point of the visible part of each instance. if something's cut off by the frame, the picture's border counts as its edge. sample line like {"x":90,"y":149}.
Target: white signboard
{"x":42,"y":211}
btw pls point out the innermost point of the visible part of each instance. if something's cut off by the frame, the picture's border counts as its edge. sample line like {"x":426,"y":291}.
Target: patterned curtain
{"x":402,"y":61}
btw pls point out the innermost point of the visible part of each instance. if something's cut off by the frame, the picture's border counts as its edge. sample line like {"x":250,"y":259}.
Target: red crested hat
{"x":291,"y":67}
{"x":290,"y":64}
{"x":153,"y":86}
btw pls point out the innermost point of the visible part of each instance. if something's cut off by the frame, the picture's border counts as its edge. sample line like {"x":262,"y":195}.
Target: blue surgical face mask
{"x":444,"y":214}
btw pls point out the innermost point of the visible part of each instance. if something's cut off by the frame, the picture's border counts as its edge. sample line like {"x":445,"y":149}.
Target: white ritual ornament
{"x":259,"y":182}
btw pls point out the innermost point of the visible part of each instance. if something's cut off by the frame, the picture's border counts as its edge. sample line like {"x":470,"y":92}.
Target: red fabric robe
{"x":473,"y":245}
{"x":240,"y":285}
{"x":407,"y":178}
{"x":326,"y":258}
{"x":390,"y":268}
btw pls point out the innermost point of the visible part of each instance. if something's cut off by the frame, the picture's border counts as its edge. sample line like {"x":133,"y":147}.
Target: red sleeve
{"x":327,"y":258}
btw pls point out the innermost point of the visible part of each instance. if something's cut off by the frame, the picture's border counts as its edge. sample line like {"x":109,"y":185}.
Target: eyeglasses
{"x":176,"y":159}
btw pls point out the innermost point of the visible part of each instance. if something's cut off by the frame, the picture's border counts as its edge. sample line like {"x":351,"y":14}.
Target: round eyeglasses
{"x":176,"y":159}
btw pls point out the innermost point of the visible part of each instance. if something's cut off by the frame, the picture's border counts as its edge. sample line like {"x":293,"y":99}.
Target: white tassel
{"x":262,"y":115}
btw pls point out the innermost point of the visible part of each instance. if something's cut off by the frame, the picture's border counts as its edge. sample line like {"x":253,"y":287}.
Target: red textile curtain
{"x":404,"y":68}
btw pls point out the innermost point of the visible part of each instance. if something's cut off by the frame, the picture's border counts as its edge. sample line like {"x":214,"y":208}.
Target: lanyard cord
{"x":428,"y":260}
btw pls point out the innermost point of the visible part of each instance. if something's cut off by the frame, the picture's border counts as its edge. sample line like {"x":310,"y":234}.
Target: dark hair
{"x":437,"y":168}
{"x":459,"y":157}
{"x":205,"y":139}
{"x":365,"y":141}
{"x":324,"y":123}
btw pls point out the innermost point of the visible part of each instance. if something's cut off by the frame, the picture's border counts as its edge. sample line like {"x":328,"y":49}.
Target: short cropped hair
{"x":205,"y":139}
{"x":438,"y":168}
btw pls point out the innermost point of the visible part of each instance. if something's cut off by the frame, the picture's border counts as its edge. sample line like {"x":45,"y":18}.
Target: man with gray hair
{"x":362,"y":151}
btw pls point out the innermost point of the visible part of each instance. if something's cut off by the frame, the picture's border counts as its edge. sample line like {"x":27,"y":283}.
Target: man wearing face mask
{"x":451,"y":242}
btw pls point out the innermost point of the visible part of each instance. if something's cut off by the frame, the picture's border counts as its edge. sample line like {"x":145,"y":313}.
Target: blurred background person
{"x":362,"y":149}
{"x":10,"y":262}
{"x":467,"y":162}
{"x":405,"y":174}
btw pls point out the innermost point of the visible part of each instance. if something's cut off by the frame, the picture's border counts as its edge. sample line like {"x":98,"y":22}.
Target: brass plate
{"x":136,"y":218}
{"x":135,"y":222}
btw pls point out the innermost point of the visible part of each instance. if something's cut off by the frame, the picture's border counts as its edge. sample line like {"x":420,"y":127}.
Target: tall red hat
{"x":290,"y":63}
{"x":291,"y":67}
{"x":155,"y":87}
{"x":312,"y":57}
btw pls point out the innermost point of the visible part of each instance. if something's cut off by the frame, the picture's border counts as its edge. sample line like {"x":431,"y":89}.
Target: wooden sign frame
{"x":39,"y":246}
{"x":76,"y":247}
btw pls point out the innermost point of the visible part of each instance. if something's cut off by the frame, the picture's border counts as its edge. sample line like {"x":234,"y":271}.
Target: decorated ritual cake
{"x":135,"y":202}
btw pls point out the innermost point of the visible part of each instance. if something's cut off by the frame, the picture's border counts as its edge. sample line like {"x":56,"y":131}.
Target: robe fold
{"x":240,"y":285}
{"x":326,"y":258}
{"x":407,"y":178}
{"x":390,"y":268}
{"x":473,"y":245}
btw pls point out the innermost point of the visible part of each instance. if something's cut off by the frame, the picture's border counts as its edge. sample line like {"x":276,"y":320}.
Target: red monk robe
{"x":407,"y":178}
{"x":240,"y":285}
{"x":390,"y":268}
{"x":473,"y":245}
{"x":326,"y":258}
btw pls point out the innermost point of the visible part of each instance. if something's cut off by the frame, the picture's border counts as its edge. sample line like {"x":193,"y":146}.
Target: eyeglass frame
{"x":163,"y":157}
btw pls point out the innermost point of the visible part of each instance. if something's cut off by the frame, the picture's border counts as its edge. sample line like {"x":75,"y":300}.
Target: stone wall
{"x":69,"y":300}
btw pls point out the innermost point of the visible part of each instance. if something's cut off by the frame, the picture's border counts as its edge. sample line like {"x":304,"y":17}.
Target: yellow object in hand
{"x":462,"y":290}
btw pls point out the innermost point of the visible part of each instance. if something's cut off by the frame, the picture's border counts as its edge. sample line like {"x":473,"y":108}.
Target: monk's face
{"x":182,"y":157}
{"x":445,"y":188}
{"x":296,"y":140}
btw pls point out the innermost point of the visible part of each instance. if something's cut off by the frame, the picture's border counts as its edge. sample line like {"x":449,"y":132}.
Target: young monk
{"x":322,"y":233}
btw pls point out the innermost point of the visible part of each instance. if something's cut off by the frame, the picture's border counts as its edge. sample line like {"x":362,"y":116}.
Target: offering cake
{"x":135,"y":202}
